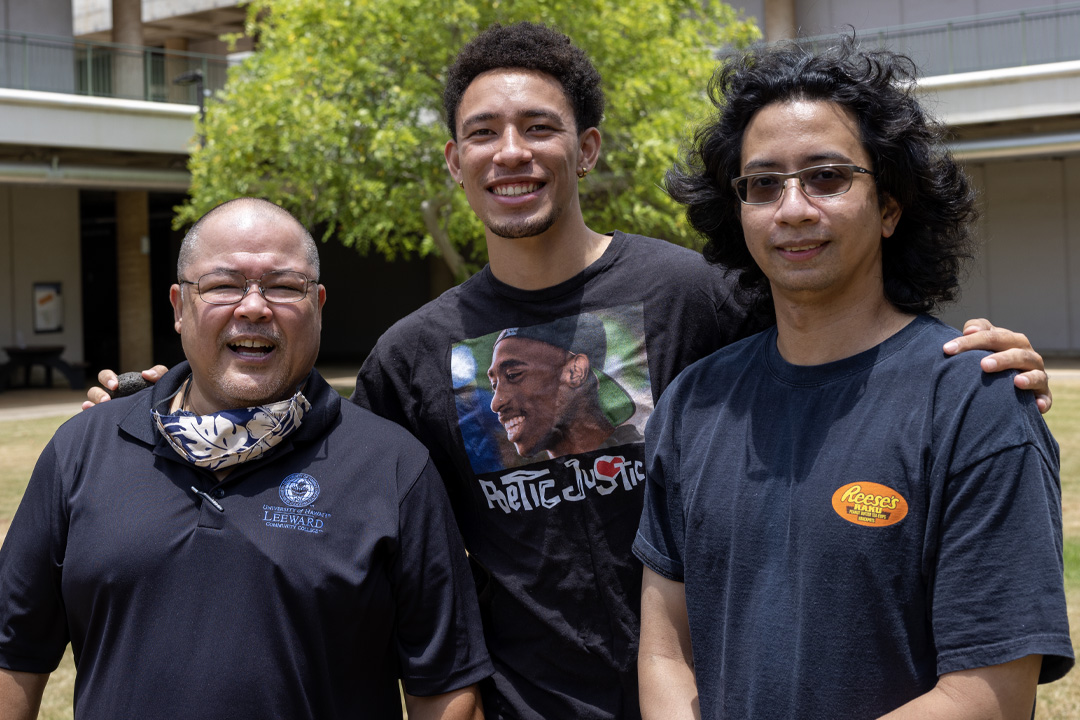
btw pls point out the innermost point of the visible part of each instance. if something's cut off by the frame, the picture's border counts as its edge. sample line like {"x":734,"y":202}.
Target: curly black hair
{"x":528,"y":46}
{"x":923,"y":259}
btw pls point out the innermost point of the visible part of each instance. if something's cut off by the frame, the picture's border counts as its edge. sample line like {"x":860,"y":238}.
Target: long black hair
{"x":923,"y":259}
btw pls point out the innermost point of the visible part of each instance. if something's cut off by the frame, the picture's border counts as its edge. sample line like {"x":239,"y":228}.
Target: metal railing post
{"x":1023,"y":39}
{"x":89,"y":70}
{"x":949,"y":46}
{"x":26,"y":62}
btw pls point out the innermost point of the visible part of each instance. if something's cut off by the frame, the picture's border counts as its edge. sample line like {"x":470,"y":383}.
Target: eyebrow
{"x":824,"y":158}
{"x":480,"y":118}
{"x":508,"y":362}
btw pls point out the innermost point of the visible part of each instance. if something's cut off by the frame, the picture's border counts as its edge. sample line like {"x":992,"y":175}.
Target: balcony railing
{"x":83,"y":67}
{"x":986,"y":42}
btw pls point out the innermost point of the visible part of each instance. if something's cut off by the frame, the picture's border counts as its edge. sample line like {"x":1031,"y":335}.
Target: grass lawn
{"x":22,"y":441}
{"x":1061,"y":700}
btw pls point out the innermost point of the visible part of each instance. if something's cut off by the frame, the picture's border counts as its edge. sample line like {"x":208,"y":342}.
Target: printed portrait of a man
{"x":538,"y":392}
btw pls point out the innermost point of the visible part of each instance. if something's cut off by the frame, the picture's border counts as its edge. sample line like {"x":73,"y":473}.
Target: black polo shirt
{"x":328,"y":569}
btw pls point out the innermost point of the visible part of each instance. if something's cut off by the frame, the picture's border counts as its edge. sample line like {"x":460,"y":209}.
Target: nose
{"x":513,"y":150}
{"x":794,"y":205}
{"x":253,"y":306}
{"x":498,"y":398}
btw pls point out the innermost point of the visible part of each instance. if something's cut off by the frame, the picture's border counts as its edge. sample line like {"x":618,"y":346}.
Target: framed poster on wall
{"x":48,"y":308}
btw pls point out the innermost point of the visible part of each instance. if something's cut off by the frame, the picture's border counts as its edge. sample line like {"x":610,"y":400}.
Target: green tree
{"x":338,"y":115}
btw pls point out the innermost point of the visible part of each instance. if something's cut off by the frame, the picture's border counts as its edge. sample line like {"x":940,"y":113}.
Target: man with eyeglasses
{"x":840,"y":520}
{"x":239,"y":541}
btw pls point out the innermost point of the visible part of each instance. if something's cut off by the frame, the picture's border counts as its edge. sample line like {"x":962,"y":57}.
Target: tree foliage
{"x":338,"y":115}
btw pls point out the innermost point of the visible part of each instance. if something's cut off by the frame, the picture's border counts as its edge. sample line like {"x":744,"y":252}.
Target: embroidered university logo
{"x":867,"y":503}
{"x":298,"y":490}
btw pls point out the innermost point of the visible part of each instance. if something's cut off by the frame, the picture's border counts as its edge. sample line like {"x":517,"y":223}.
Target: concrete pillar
{"x":133,"y":280}
{"x":780,"y":21}
{"x":128,"y":65}
{"x":175,"y":66}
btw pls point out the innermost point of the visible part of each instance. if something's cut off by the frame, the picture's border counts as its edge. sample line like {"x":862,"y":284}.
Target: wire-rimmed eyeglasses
{"x":816,"y":182}
{"x":229,"y":288}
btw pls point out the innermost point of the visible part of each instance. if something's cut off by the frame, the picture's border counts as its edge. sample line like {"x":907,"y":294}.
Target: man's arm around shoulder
{"x":665,"y":661}
{"x":20,"y":694}
{"x":995,"y":692}
{"x":463,"y":704}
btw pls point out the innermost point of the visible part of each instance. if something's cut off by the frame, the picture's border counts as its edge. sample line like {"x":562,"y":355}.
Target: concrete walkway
{"x":32,"y":403}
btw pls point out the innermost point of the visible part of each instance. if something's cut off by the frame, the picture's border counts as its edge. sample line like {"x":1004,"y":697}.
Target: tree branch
{"x":429,"y":209}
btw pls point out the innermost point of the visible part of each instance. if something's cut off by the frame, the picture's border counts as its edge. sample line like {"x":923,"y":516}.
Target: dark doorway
{"x":101,"y":327}
{"x":164,"y":251}
{"x":97,"y":236}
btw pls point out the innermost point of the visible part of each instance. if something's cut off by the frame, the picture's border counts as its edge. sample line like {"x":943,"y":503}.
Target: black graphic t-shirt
{"x":532,"y":404}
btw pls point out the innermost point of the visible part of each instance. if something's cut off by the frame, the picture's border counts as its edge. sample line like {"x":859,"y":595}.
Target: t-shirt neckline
{"x":846,"y":367}
{"x":570,"y":285}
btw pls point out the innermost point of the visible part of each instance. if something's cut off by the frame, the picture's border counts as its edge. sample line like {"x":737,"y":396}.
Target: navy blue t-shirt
{"x":848,"y":532}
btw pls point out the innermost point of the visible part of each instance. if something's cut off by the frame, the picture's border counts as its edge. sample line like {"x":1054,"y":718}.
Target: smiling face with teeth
{"x":517,"y":152}
{"x":253,"y":352}
{"x":815,"y":249}
{"x":532,"y":389}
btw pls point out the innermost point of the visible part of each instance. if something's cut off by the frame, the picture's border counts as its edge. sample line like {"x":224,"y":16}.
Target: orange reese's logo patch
{"x":867,"y":503}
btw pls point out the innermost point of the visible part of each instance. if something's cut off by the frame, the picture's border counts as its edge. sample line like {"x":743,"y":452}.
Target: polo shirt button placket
{"x":211,"y":513}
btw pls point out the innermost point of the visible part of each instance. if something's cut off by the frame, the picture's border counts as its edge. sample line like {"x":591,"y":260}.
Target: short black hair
{"x":923,"y":259}
{"x":527,"y":46}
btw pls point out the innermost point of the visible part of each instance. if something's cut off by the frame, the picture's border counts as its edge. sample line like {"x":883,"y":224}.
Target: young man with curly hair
{"x":549,"y":535}
{"x":840,"y":521}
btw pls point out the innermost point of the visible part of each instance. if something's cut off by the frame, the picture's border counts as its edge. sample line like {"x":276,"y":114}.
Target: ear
{"x":576,"y":370}
{"x":589,"y":148}
{"x":453,"y":163}
{"x":890,"y":216}
{"x":322,"y":297}
{"x":177,"y":300}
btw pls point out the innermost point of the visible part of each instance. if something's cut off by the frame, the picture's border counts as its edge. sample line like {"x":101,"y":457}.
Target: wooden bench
{"x":47,"y":356}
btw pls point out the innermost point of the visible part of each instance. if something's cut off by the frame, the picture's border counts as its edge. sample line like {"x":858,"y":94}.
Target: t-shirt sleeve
{"x":997,"y":590}
{"x":439,"y":635}
{"x":33,"y":628}
{"x":377,"y":387}
{"x":661,"y":532}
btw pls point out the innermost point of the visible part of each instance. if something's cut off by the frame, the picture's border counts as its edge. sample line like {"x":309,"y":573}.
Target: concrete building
{"x":94,"y":138}
{"x":92,"y":160}
{"x":95,"y":133}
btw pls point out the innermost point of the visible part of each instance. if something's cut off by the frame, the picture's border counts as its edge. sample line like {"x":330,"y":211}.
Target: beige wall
{"x":96,"y":15}
{"x":1072,"y":247}
{"x":1027,"y":275}
{"x":7,"y":275}
{"x":39,"y":242}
